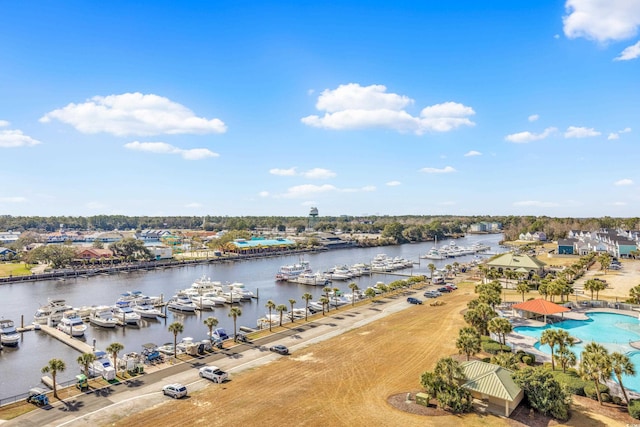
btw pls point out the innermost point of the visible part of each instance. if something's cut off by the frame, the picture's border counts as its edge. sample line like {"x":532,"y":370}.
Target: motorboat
{"x":241,"y":291}
{"x":316,"y":279}
{"x":103,"y":316}
{"x":220,"y":334}
{"x":169,"y":350}
{"x":146,"y":309}
{"x":124,"y":313}
{"x":215,"y":298}
{"x":182,"y":302}
{"x":102,"y":366}
{"x":51,"y":313}
{"x":71,"y":324}
{"x":433,"y":253}
{"x":292,"y":271}
{"x":316,"y":306}
{"x":202,"y":302}
{"x":204,"y":285}
{"x":340,"y":273}
{"x":9,"y":336}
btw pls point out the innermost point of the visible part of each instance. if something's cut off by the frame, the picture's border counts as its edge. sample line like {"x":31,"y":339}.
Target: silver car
{"x":175,"y":390}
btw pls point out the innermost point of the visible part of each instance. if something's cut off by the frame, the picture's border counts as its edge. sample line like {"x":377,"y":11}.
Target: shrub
{"x":533,"y":358}
{"x":493,"y":347}
{"x":571,"y":381}
{"x":590,"y":390}
{"x":486,"y":359}
{"x":527,"y":360}
{"x":634,"y":409}
{"x":617,"y":400}
{"x":605,"y":397}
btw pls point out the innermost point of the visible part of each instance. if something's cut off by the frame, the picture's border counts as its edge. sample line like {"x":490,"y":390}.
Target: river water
{"x":20,"y":366}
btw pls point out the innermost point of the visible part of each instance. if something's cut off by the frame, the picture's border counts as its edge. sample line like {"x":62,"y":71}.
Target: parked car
{"x":451,"y":288}
{"x":175,"y":390}
{"x":213,"y":373}
{"x":451,"y":285}
{"x":412,"y":300}
{"x":432,"y":294}
{"x":444,"y":289}
{"x":280,"y":349}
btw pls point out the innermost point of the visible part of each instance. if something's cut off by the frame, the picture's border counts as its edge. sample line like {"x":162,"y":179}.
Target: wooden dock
{"x":82,"y":347}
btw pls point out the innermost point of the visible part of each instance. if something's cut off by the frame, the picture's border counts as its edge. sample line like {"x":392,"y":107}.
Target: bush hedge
{"x":491,"y":346}
{"x":572,"y":381}
{"x":634,"y":409}
{"x":590,"y":391}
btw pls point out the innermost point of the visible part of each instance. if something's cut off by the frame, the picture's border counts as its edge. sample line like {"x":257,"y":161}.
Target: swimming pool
{"x":613,"y":331}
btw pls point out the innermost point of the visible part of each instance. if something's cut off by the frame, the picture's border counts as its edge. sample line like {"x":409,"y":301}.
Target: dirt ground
{"x":350,"y":380}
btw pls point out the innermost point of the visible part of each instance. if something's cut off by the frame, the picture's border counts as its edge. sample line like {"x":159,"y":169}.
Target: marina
{"x":22,"y":364}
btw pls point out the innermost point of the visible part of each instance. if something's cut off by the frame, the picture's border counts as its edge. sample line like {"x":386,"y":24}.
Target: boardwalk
{"x":82,"y":347}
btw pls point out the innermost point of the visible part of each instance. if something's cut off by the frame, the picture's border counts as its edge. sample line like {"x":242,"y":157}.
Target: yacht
{"x":72,"y":324}
{"x":316,"y":279}
{"x":51,"y":313}
{"x":145,"y":309}
{"x":204,"y":285}
{"x":292,"y":271}
{"x":182,"y":302}
{"x":433,"y":253}
{"x":103,"y":316}
{"x":215,"y":298}
{"x":241,"y":291}
{"x":8,"y":334}
{"x":124,"y":313}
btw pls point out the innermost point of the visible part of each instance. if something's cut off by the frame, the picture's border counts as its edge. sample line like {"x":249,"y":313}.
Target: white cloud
{"x":263,"y":194}
{"x":613,"y":135}
{"x":601,"y":20}
{"x":630,"y":52}
{"x":393,"y":183}
{"x":319,"y":173}
{"x":164,"y":148}
{"x":473,"y":153}
{"x":536,"y":203}
{"x":283,"y":172}
{"x":17,"y":199}
{"x":4,"y":123}
{"x":525,"y":137}
{"x":446,"y":169}
{"x":369,"y":188}
{"x":625,"y":130}
{"x":625,"y":181}
{"x":533,"y":117}
{"x":194,"y":205}
{"x":305,"y":190}
{"x":133,"y":114}
{"x":580,"y":132}
{"x":15,"y":138}
{"x":352,"y":106}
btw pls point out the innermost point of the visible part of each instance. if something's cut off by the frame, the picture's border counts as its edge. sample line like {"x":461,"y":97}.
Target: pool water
{"x":613,"y":331}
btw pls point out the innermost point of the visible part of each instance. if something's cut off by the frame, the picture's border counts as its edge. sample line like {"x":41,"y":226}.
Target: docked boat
{"x":292,"y":271}
{"x":145,"y":308}
{"x":124,"y":313}
{"x":168,"y":349}
{"x":51,"y":313}
{"x":205,"y":285}
{"x":240,"y":291}
{"x":182,"y":302}
{"x":9,"y":336}
{"x":340,"y":273}
{"x":103,"y":316}
{"x":71,"y":324}
{"x":315,"y":279}
{"x":434,"y":254}
{"x":215,"y":298}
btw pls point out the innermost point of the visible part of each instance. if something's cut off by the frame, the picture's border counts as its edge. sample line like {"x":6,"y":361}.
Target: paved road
{"x":101,"y":407}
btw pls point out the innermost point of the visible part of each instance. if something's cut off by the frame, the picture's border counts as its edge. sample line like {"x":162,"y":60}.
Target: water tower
{"x":313,"y":217}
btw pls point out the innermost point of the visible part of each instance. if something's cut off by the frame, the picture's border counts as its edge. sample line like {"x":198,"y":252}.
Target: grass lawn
{"x":14,"y":269}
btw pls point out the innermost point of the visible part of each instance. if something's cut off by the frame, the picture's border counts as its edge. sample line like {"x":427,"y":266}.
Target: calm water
{"x":21,"y":366}
{"x":613,"y":331}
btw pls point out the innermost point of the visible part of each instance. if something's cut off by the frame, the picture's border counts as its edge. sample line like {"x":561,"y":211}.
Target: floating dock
{"x":82,"y":347}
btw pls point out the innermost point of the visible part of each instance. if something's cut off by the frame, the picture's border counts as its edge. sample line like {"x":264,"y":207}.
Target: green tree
{"x":131,"y":249}
{"x":507,"y":360}
{"x":326,"y":291}
{"x":270,"y":306}
{"x":432,"y":268}
{"x":324,"y":301}
{"x":501,"y":327}
{"x":306,"y":297}
{"x":371,"y":293}
{"x":595,"y":365}
{"x":53,"y":367}
{"x":354,"y":288}
{"x":85,"y":360}
{"x":211,"y":322}
{"x":522,"y":288}
{"x":543,"y":392}
{"x":621,"y":365}
{"x":281,"y":308}
{"x":605,"y":261}
{"x":235,"y":312}
{"x":292,"y":302}
{"x":550,"y":337}
{"x":593,"y":285}
{"x":479,"y":317}
{"x":566,"y":358}
{"x":468,"y":341}
{"x":113,"y":349}
{"x":176,"y":328}
{"x":634,"y":293}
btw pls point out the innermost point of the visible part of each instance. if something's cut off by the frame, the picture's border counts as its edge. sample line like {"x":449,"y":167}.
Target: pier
{"x":82,"y":347}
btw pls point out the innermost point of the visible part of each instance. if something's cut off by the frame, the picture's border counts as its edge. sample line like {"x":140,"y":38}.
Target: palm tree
{"x":468,"y":341}
{"x":621,"y":365}
{"x":306,"y":297}
{"x":292,"y":301}
{"x":595,"y":365}
{"x":324,"y":301}
{"x":85,"y":360}
{"x":281,"y":308}
{"x":336,"y":291}
{"x":354,"y":287}
{"x":566,"y":358}
{"x":54,"y":366}
{"x":211,"y":322}
{"x":550,"y":337}
{"x":176,"y":328}
{"x":432,"y":268}
{"x":501,"y":327}
{"x":371,"y":293}
{"x":115,"y":348}
{"x":523,"y":288}
{"x":635,"y":293}
{"x":326,"y":291}
{"x":235,"y":312}
{"x":270,"y":306}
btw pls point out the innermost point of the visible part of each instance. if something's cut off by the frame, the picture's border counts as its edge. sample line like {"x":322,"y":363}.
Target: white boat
{"x":205,"y":285}
{"x":182,"y":302}
{"x":146,"y":310}
{"x":8,"y":334}
{"x":102,"y":367}
{"x":51,"y":313}
{"x":316,"y":279}
{"x":72,"y":324}
{"x":292,"y":271}
{"x":215,"y":298}
{"x":433,"y":253}
{"x":124,"y":313}
{"x":202,"y":302}
{"x":340,"y":273}
{"x":315,"y":306}
{"x":103,"y":316}
{"x":240,"y":290}
{"x":168,"y":349}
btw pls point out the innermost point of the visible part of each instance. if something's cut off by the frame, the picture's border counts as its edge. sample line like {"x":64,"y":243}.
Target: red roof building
{"x":539,"y":307}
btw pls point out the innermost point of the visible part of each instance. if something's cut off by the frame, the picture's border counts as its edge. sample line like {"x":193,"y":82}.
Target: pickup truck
{"x":214,"y":373}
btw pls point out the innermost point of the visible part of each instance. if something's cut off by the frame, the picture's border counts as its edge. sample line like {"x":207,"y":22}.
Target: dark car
{"x":451,"y":288}
{"x":412,"y":300}
{"x":280,"y":349}
{"x":444,"y":289}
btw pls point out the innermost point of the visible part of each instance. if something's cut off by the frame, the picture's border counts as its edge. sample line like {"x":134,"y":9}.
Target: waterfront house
{"x":519,"y":262}
{"x":7,"y":254}
{"x":566,"y":246}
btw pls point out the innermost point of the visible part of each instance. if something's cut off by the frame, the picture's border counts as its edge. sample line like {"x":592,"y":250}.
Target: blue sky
{"x":269,"y":108}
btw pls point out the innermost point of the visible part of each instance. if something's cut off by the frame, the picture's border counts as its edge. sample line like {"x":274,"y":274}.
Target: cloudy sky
{"x":270,"y":108}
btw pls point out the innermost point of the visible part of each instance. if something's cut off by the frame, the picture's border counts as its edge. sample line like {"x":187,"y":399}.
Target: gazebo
{"x":538,"y":307}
